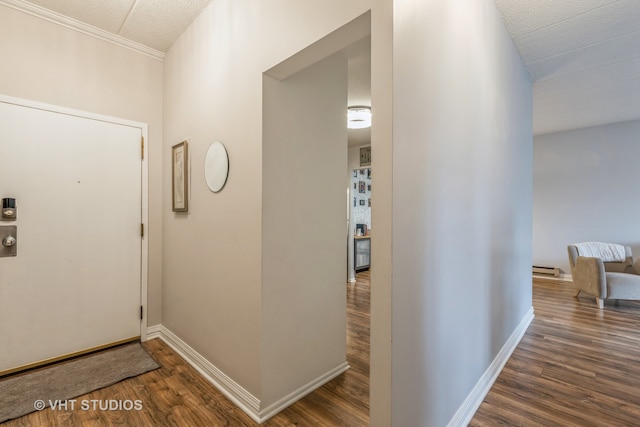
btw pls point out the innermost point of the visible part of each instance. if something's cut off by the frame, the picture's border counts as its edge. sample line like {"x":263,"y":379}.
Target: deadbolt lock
{"x":9,"y":211}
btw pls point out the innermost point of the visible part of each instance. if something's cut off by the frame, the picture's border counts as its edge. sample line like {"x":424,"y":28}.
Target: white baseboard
{"x":250,"y":404}
{"x":564,"y":277}
{"x":153,"y":332}
{"x":227,"y":386}
{"x":469,"y":407}
{"x":293,"y":397}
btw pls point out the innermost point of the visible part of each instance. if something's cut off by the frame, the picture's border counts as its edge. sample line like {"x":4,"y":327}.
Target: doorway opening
{"x":359,"y":172}
{"x":359,"y":248}
{"x":304,"y":168}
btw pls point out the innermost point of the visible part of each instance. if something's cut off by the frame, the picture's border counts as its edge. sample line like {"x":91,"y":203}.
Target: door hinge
{"x":142,"y":147}
{"x":141,"y":230}
{"x":141,"y":312}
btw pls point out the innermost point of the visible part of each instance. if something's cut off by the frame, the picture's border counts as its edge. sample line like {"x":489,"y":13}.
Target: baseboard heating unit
{"x":546,"y":271}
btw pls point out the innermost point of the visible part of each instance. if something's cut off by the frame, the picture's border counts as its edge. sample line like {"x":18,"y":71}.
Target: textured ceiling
{"x":583,"y":57}
{"x":153,"y":23}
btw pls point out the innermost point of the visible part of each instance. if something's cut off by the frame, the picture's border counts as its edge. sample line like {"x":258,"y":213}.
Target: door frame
{"x":144,"y":130}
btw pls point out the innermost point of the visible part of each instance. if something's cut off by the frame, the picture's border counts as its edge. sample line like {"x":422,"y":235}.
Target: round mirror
{"x":216,"y":166}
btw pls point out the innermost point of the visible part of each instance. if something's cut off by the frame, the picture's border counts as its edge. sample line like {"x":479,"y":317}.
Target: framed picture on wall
{"x":365,"y":156}
{"x":361,"y":187}
{"x":180,"y":178}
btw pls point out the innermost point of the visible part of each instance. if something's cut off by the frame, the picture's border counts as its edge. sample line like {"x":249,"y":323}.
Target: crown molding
{"x":74,"y":24}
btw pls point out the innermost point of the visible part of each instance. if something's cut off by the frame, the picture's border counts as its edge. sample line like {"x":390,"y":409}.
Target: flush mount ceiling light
{"x":358,"y":117}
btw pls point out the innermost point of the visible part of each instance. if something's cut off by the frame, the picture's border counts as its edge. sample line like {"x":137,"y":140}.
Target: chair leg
{"x":577,"y":292}
{"x":600,"y":302}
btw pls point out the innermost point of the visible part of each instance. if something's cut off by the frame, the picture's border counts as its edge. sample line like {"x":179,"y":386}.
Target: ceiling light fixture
{"x":358,"y":117}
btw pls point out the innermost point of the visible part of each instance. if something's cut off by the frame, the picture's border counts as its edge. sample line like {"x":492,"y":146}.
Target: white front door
{"x":75,"y":283}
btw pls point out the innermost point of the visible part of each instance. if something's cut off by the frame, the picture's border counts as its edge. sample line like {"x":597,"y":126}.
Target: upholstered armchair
{"x":603,"y":277}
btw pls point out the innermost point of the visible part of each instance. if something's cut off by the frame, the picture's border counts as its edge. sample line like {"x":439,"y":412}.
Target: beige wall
{"x":303,"y":227}
{"x":46,"y":62}
{"x":212,"y":294}
{"x":570,"y":170}
{"x":462,"y":194}
{"x":381,"y":210}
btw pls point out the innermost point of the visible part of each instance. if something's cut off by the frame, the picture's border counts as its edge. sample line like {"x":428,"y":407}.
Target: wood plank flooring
{"x":176,"y":395}
{"x":575,"y":366}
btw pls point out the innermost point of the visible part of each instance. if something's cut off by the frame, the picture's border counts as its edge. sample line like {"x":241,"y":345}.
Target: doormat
{"x":25,"y":393}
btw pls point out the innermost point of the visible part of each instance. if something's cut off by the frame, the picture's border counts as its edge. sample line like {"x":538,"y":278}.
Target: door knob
{"x":9,"y":241}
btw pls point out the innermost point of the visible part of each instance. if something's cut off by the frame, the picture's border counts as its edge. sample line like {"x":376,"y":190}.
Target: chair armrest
{"x":589,"y":276}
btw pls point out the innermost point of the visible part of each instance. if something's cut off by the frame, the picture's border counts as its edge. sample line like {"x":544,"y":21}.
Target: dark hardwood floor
{"x":575,"y":366}
{"x":176,"y":395}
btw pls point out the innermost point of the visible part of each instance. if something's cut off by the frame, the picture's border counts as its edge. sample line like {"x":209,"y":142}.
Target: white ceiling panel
{"x":583,"y":57}
{"x":594,"y":27}
{"x":159,"y":23}
{"x":153,"y":23}
{"x":526,"y":16}
{"x":588,"y":80}
{"x":619,"y":49}
{"x":104,"y":14}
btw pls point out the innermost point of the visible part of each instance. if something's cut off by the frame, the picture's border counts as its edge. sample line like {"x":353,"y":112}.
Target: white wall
{"x":212,"y":261}
{"x":303,"y":227}
{"x":462,"y":189}
{"x":46,"y":62}
{"x":585,"y":187}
